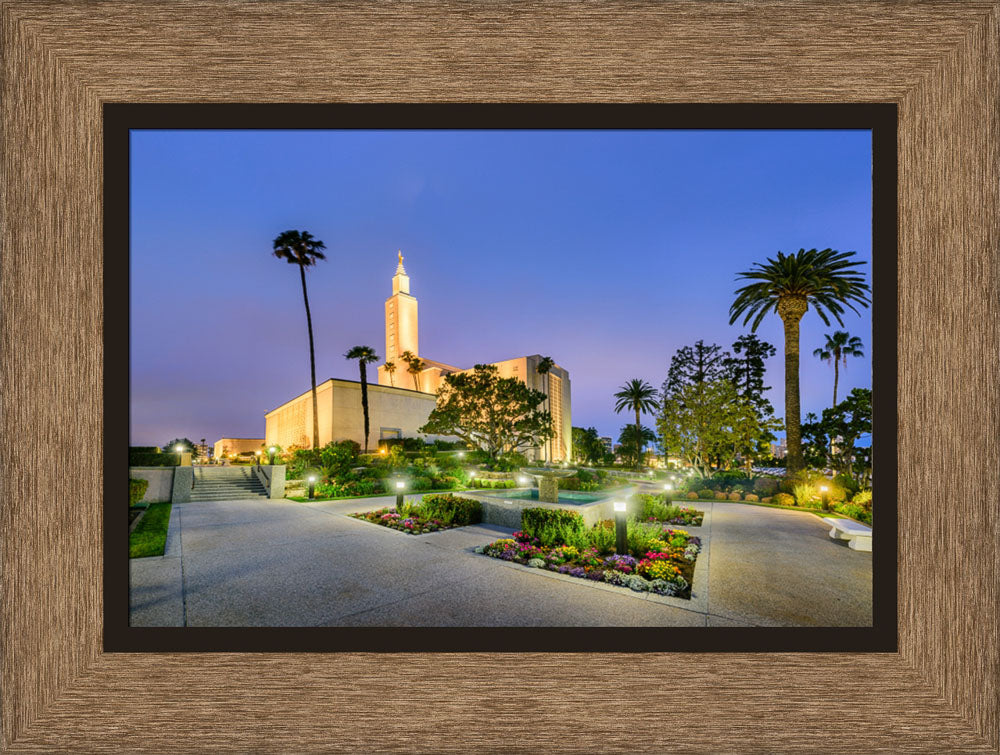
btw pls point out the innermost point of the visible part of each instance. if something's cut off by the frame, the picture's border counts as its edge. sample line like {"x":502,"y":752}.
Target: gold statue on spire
{"x":400,"y":253}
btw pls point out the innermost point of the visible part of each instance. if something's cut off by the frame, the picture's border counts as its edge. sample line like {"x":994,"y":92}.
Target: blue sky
{"x":607,"y":250}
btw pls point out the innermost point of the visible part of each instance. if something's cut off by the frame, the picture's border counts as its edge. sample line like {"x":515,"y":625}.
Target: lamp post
{"x":312,"y":485}
{"x":667,"y":487}
{"x":257,"y":454}
{"x":270,"y":455}
{"x":461,"y":454}
{"x":400,"y":485}
{"x":621,"y":529}
{"x":824,"y":489}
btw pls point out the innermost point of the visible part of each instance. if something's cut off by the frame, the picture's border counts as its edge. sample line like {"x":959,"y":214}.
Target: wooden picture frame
{"x":938,"y":62}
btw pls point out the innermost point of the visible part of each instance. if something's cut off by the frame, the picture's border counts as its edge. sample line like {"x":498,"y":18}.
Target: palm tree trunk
{"x":791,"y":316}
{"x":836,"y":378}
{"x":312,"y":359}
{"x":364,"y":398}
{"x":638,"y":440}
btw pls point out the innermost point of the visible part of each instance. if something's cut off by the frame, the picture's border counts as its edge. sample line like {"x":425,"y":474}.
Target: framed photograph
{"x":706,"y":510}
{"x":469,"y":178}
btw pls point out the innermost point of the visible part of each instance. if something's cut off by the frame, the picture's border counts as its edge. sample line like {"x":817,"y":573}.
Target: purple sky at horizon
{"x":606,"y":250}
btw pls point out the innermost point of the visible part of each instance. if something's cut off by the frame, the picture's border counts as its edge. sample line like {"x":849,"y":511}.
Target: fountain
{"x":548,"y":481}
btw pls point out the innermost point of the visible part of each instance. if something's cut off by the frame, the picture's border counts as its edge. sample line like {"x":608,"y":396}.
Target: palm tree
{"x":414,"y":366}
{"x":639,"y":396}
{"x":365,"y":356}
{"x":300,"y":248}
{"x":390,"y":368}
{"x":545,"y":364}
{"x":788,"y":284}
{"x":837,"y":348}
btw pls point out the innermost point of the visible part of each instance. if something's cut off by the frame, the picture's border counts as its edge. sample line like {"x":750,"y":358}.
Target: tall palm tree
{"x":390,"y":368}
{"x":837,"y":348}
{"x":639,"y":396}
{"x":365,"y":356}
{"x":414,"y":366}
{"x":300,"y":248}
{"x":545,"y":365}
{"x":787,"y":284}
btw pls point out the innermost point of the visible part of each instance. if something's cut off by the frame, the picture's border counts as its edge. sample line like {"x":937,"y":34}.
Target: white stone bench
{"x":858,"y":535}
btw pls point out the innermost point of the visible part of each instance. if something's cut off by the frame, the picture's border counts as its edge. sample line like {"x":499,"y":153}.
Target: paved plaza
{"x":279,"y":563}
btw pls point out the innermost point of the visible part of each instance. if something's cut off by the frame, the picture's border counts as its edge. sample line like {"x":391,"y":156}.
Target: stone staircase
{"x":226,"y":484}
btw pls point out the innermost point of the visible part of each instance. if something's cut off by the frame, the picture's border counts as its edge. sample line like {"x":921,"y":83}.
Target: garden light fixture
{"x":312,"y":485}
{"x":400,"y":485}
{"x":621,"y":528}
{"x":270,"y":453}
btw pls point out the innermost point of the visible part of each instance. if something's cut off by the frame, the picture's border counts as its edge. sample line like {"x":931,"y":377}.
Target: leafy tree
{"x":498,"y":416}
{"x":638,"y":396}
{"x":709,"y":425}
{"x":187,"y":443}
{"x":390,"y":368}
{"x":753,"y":432}
{"x":746,"y":370}
{"x":545,"y":365}
{"x":365,"y":355}
{"x":837,"y":348}
{"x":831,"y":440}
{"x":632,"y":445}
{"x":300,"y":248}
{"x":692,"y":365}
{"x":587,"y":446}
{"x":787,"y":284}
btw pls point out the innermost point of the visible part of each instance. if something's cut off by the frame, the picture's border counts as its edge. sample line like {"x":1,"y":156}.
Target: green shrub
{"x":641,"y":536}
{"x":602,"y":537}
{"x":138,"y":459}
{"x":420,"y":483}
{"x":805,"y":493}
{"x":692,"y":496}
{"x":657,"y":508}
{"x":533,"y":520}
{"x":766,"y":499}
{"x":510,"y":462}
{"x":783,"y":499}
{"x":847,"y":484}
{"x":706,"y":493}
{"x":136,"y":490}
{"x":735,"y":496}
{"x":721,"y":495}
{"x":765,"y":486}
{"x":144,"y":449}
{"x":751,"y":498}
{"x":863,"y":498}
{"x":855,"y":511}
{"x":451,"y":509}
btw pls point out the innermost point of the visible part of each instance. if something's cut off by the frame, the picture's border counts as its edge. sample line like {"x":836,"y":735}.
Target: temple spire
{"x":399,"y":268}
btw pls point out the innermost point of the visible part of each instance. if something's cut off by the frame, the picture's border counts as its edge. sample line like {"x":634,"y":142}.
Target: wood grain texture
{"x":939,"y":61}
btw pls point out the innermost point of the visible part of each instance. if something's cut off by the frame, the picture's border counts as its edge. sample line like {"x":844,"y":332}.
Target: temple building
{"x":406,"y":392}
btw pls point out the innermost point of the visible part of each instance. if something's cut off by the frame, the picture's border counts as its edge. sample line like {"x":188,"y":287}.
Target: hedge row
{"x":136,"y":490}
{"x":534,"y":520}
{"x":152,"y":460}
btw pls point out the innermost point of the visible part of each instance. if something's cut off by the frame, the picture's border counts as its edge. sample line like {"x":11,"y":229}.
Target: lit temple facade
{"x":402,"y":400}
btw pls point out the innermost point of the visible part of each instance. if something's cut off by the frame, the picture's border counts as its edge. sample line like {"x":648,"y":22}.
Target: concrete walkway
{"x":280,"y":563}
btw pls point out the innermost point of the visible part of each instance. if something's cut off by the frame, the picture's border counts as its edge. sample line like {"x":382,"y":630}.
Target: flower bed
{"x":660,"y":508}
{"x":660,"y":560}
{"x":431,"y":514}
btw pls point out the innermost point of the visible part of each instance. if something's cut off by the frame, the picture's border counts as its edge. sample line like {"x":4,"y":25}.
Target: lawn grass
{"x":150,"y":535}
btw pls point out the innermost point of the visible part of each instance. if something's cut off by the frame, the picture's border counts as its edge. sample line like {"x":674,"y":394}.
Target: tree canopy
{"x":499,"y":416}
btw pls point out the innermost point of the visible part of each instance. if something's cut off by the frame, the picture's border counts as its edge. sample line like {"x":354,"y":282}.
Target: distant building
{"x":608,"y":443}
{"x":236,"y":446}
{"x":399,"y":411}
{"x":780,"y":449}
{"x":203,"y":450}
